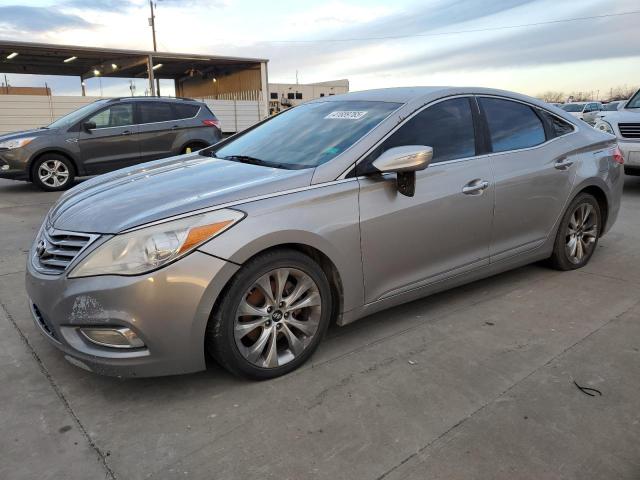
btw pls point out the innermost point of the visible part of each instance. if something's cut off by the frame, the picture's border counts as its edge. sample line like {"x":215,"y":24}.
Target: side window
{"x":512,"y":125}
{"x":151,"y":112}
{"x":447,"y":127}
{"x":115,"y":116}
{"x":185,"y":110}
{"x":559,"y":127}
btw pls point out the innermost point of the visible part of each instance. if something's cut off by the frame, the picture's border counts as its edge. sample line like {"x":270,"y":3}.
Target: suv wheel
{"x":578,"y":234}
{"x":193,"y":147}
{"x":272,"y":317}
{"x":53,"y":172}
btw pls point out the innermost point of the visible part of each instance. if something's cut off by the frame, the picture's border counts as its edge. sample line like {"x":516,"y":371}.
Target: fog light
{"x":4,"y":167}
{"x":113,"y":337}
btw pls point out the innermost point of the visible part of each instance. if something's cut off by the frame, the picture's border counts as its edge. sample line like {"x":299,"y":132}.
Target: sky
{"x":372,"y":43}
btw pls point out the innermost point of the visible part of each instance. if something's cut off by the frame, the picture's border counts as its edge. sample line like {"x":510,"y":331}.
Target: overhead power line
{"x":454,"y":32}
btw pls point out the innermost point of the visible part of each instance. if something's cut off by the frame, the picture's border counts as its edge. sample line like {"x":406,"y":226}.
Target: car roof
{"x":417,"y":95}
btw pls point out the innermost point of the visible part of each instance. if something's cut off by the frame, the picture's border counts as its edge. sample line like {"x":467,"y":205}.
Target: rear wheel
{"x":53,"y":172}
{"x":578,"y":234}
{"x":193,"y":147}
{"x":272,"y":316}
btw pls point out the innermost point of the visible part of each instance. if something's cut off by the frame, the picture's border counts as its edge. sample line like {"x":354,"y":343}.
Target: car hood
{"x":157,"y":190}
{"x":624,"y":115}
{"x":36,"y":132}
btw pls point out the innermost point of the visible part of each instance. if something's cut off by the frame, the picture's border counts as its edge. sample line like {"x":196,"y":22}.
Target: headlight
{"x":16,"y":143}
{"x":148,"y":248}
{"x":604,"y":126}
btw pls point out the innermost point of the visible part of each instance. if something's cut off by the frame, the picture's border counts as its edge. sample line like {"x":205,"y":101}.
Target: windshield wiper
{"x":254,"y":161}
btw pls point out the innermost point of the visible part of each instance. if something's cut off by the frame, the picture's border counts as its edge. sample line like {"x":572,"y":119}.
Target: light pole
{"x":152,"y":24}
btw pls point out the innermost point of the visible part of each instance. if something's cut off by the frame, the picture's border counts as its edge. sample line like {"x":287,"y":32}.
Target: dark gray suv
{"x":107,"y":135}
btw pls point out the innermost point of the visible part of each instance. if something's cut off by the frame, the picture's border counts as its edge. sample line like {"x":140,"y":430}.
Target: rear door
{"x":159,"y":129}
{"x":445,"y":229}
{"x":533,"y":174}
{"x":113,"y":143}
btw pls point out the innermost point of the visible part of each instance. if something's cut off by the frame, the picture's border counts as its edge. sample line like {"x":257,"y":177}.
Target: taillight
{"x":617,"y":155}
{"x":211,"y":123}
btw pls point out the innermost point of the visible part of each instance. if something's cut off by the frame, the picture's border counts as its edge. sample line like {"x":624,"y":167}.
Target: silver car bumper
{"x":168,"y":309}
{"x":631,"y":151}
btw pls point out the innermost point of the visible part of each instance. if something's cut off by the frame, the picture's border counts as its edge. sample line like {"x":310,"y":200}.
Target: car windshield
{"x":76,"y":115}
{"x":308,"y":135}
{"x":610,"y":107}
{"x":572,"y":107}
{"x":635,"y":101}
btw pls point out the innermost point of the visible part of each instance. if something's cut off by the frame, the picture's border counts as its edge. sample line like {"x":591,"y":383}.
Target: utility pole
{"x":152,"y":24}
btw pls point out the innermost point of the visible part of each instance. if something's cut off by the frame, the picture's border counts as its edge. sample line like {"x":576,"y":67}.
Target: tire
{"x":260,"y":346}
{"x":577,"y":239}
{"x":53,"y":172}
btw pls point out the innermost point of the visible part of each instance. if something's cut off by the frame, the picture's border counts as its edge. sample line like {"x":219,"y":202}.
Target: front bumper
{"x":13,"y":164}
{"x":168,"y":309}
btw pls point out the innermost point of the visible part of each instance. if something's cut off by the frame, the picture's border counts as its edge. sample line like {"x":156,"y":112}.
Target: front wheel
{"x":272,"y":316}
{"x":578,"y":234}
{"x":53,"y":172}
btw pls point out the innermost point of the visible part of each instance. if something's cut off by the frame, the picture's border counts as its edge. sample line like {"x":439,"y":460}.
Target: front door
{"x":445,"y":229}
{"x":113,"y":143}
{"x":533,"y":174}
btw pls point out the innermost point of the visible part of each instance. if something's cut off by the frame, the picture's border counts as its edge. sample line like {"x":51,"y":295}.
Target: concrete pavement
{"x":476,"y":382}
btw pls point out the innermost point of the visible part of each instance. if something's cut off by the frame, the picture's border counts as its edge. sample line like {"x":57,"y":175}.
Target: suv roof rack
{"x":117,"y":99}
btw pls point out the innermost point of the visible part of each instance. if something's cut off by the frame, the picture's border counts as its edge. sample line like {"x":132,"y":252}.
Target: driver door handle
{"x":475,"y":187}
{"x":126,"y":132}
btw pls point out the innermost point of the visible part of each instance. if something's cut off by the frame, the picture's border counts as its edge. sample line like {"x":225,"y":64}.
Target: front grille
{"x":42,"y":322}
{"x":629,"y":130}
{"x":56,"y":249}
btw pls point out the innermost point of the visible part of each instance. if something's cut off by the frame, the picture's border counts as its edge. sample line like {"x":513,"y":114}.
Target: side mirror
{"x":88,"y":126}
{"x":404,"y":162}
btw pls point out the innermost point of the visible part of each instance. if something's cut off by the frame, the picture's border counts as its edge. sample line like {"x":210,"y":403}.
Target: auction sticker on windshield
{"x":346,"y":115}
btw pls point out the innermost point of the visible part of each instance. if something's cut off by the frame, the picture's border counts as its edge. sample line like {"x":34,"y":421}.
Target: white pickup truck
{"x":625,"y":124}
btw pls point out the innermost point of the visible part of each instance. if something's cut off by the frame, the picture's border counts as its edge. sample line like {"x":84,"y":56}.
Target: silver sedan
{"x":328,"y":212}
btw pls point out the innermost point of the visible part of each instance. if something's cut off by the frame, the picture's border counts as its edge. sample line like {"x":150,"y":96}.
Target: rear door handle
{"x":126,"y":132}
{"x":563,"y":164}
{"x":475,"y":187}
{"x":175,"y":127}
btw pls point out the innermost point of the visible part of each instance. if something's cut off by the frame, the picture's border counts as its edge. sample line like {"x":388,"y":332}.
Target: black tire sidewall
{"x":559,"y":258}
{"x":45,"y":158}
{"x":220,"y":341}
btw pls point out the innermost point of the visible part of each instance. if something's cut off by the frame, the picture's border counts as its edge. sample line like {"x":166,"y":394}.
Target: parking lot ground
{"x":476,"y":382}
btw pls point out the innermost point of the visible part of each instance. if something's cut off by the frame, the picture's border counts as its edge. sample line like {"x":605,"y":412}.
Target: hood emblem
{"x":41,"y":248}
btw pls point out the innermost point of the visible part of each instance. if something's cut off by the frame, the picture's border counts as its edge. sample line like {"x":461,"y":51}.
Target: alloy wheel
{"x":582,"y":233}
{"x":53,"y":173}
{"x":278,"y":317}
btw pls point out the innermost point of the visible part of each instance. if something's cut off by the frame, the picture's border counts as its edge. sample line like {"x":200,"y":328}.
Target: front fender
{"x":325,"y":219}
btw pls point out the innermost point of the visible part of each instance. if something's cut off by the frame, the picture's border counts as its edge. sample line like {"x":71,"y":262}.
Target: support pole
{"x":152,"y":86}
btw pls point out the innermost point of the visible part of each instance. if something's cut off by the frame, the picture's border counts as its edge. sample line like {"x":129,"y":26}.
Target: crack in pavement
{"x":109,"y":473}
{"x":419,"y":452}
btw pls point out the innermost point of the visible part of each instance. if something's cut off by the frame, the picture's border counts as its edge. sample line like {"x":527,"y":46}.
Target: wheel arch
{"x":327,"y":265}
{"x":56,"y":151}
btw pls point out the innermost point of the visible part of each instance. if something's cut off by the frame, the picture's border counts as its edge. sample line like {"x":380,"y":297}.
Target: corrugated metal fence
{"x":22,"y":112}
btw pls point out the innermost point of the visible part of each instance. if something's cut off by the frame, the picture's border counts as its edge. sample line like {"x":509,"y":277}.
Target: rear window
{"x":512,"y":125}
{"x":151,"y":112}
{"x":572,"y":107}
{"x":185,"y":110}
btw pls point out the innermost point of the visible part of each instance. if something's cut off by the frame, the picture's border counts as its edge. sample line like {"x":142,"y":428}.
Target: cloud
{"x":101,"y":5}
{"x":38,"y":19}
{"x":543,"y":45}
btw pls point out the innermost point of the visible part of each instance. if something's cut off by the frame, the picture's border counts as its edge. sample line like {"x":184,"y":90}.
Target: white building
{"x":285,"y":95}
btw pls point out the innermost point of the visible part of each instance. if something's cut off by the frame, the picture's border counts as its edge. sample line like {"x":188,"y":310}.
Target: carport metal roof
{"x":87,"y":62}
